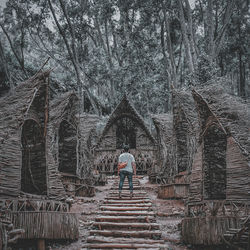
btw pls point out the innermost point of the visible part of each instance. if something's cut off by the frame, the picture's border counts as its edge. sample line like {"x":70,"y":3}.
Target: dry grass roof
{"x":232,"y":112}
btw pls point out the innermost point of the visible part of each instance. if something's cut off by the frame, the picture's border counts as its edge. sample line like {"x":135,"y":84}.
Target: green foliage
{"x":120,"y":46}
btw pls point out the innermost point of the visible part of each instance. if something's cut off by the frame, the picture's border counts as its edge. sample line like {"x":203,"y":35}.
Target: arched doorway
{"x":33,"y":173}
{"x":214,"y":162}
{"x":67,"y":148}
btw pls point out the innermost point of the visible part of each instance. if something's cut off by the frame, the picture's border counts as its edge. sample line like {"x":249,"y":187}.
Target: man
{"x":128,"y":170}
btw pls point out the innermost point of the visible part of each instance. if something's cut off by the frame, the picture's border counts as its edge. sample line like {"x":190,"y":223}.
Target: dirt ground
{"x":168,"y":214}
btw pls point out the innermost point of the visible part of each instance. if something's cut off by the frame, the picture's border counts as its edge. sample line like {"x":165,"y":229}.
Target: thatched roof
{"x":88,"y":123}
{"x":184,"y":100}
{"x":231,"y":112}
{"x":63,"y":106}
{"x":164,"y":122}
{"x":123,"y":109}
{"x":16,"y":107}
{"x":16,"y":103}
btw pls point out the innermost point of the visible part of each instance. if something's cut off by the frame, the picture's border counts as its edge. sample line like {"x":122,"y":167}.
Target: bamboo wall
{"x":214,"y":163}
{"x":106,"y":155}
{"x":196,"y":185}
{"x":33,"y":173}
{"x":62,"y":110}
{"x":46,"y":225}
{"x":206,"y":231}
{"x":238,"y":173}
{"x":88,"y":140}
{"x":180,"y":127}
{"x":185,"y":127}
{"x":67,"y":147}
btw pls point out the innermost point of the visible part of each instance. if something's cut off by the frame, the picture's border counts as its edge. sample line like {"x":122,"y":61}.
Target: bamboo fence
{"x":46,"y":225}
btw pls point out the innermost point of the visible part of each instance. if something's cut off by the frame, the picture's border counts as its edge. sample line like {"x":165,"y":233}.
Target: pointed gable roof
{"x":64,"y":105}
{"x":126,"y":109}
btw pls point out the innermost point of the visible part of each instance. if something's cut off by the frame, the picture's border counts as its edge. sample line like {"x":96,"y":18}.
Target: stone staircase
{"x":125,"y":223}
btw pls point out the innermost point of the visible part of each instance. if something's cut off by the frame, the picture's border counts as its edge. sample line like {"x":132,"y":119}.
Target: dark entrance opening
{"x":33,"y":173}
{"x":67,"y":148}
{"x":125,"y":133}
{"x":214,"y":161}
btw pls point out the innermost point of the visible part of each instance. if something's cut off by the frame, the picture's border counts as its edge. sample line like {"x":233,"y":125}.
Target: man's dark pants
{"x":123,"y":174}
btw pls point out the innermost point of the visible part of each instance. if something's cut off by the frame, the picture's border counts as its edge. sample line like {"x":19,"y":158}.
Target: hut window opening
{"x":214,"y":160}
{"x":33,"y":172}
{"x":67,"y":148}
{"x":125,"y":133}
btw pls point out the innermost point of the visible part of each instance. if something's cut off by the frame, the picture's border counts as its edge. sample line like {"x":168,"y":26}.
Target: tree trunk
{"x":170,"y":47}
{"x":210,"y":31}
{"x":185,"y":38}
{"x":74,"y":59}
{"x":190,"y":30}
{"x":13,"y":50}
{"x":4,"y":67}
{"x":242,"y":84}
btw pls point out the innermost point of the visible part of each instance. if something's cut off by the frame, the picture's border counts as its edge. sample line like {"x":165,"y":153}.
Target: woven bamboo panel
{"x":46,"y":225}
{"x":207,"y":230}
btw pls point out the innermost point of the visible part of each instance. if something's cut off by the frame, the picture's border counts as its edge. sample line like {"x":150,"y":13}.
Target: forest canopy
{"x":104,"y":49}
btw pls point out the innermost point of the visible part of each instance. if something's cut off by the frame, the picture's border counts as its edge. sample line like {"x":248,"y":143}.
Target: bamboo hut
{"x":28,"y":183}
{"x":178,"y":140}
{"x":220,"y":183}
{"x":88,"y":140}
{"x":185,"y":127}
{"x":124,"y":125}
{"x":71,"y":146}
{"x":23,"y":121}
{"x":63,"y":140}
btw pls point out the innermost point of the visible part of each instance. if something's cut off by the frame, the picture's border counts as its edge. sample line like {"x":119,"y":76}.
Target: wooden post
{"x":40,"y":244}
{"x":248,"y":247}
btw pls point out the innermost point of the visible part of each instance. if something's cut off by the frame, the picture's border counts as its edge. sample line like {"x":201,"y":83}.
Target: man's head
{"x":126,"y":147}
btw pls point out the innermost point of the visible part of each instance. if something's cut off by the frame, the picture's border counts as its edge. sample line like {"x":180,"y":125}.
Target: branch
{"x":71,"y":30}
{"x":221,"y":32}
{"x":12,"y":47}
{"x":63,"y":36}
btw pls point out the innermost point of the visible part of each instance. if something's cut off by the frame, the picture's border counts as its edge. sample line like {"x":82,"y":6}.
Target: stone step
{"x":128,"y":192}
{"x":126,"y":201}
{"x":126,"y":213}
{"x":124,"y":197}
{"x":124,"y":193}
{"x":111,"y":208}
{"x":126,"y":226}
{"x":152,"y":234}
{"x":125,"y":223}
{"x":126,"y":188}
{"x":124,"y":245}
{"x":101,"y":239}
{"x":125,"y":218}
{"x":126,"y":183}
{"x":130,"y":205}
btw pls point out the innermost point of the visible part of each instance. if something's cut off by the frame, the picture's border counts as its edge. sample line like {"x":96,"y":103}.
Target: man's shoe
{"x":120,"y":195}
{"x":131,"y":195}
